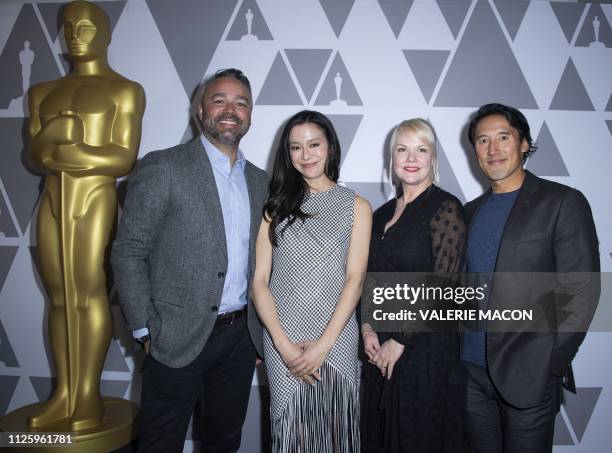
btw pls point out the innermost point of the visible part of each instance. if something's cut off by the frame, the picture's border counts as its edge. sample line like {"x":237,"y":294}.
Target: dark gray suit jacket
{"x":550,"y":229}
{"x":170,"y":255}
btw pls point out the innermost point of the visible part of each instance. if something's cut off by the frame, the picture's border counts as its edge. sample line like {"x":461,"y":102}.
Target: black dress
{"x":420,"y":408}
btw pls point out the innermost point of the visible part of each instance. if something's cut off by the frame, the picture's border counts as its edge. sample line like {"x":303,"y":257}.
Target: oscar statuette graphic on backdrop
{"x":84,"y":132}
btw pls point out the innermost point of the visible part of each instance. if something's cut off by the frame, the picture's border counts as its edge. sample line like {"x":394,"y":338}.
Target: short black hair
{"x":232,"y":73}
{"x":516,"y":119}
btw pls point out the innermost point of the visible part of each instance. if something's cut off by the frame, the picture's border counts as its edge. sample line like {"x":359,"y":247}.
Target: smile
{"x":411,"y":169}
{"x":228,"y":123}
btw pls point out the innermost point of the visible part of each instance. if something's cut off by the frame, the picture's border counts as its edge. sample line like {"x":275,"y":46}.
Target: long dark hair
{"x":287,"y":186}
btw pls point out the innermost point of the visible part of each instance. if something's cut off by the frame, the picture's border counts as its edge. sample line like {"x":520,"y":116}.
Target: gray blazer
{"x":170,"y":255}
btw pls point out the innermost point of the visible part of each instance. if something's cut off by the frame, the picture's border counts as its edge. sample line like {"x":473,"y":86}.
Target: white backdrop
{"x":396,"y":59}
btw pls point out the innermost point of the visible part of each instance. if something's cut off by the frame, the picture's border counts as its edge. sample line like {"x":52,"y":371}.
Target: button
{"x":214,"y":308}
{"x":221,"y":275}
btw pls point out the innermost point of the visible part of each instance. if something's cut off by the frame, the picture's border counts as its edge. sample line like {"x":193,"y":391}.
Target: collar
{"x":219,"y":160}
{"x":531,"y":183}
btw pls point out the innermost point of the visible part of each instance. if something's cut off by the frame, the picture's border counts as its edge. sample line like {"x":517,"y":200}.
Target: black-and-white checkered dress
{"x":308,"y":274}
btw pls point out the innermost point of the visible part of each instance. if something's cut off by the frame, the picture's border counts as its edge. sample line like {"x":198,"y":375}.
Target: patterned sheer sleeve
{"x":448,"y":240}
{"x":448,"y":237}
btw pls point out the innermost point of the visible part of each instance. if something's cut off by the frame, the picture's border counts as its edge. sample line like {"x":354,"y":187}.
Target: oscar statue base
{"x":116,"y":430}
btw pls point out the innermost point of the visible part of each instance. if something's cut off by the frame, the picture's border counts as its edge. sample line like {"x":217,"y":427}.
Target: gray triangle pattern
{"x":7,"y":227}
{"x":259,"y":27}
{"x":396,"y":13}
{"x":7,"y":354}
{"x":278,"y":88}
{"x":426,"y":65}
{"x":568,"y":15}
{"x":26,"y":28}
{"x":497,"y":78}
{"x":22,"y":187}
{"x":66,"y":62}
{"x":35,"y":268}
{"x":512,"y":13}
{"x":579,"y":408}
{"x":7,"y":256}
{"x":8,"y":384}
{"x":114,"y":388}
{"x":571,"y":94}
{"x":194,"y":430}
{"x":189,"y":435}
{"x":52,"y":18}
{"x":190,"y":133}
{"x":609,"y":123}
{"x":348,"y":93}
{"x":51,"y":14}
{"x":205,"y":20}
{"x":609,"y":106}
{"x":377,"y":193}
{"x":587,"y":33}
{"x":43,"y":386}
{"x":256,"y":430}
{"x":562,"y":436}
{"x":448,"y":180}
{"x":547,"y":160}
{"x":454,"y":12}
{"x":114,"y":358}
{"x":33,"y":249}
{"x":114,"y":297}
{"x":113,"y":9}
{"x":308,"y":66}
{"x":337,"y":13}
{"x":346,"y":127}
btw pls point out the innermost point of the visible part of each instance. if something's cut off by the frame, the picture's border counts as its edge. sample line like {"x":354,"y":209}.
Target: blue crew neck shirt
{"x":484,"y":237}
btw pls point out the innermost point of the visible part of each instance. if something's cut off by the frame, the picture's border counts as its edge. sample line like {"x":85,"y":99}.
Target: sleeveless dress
{"x":308,"y":274}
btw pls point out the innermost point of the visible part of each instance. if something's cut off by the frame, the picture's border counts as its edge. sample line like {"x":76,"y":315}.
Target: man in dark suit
{"x":182,"y":260}
{"x":523,"y":224}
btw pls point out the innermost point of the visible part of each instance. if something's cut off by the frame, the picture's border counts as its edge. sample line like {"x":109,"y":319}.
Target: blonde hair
{"x":424,"y":131}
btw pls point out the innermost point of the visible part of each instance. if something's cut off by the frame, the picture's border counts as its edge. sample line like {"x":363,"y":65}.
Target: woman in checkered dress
{"x":312,"y":251}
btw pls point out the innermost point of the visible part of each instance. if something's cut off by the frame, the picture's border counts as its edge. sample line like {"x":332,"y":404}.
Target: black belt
{"x":227,"y":319}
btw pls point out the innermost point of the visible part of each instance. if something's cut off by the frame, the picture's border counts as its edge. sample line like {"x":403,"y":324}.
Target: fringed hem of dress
{"x":320,"y":418}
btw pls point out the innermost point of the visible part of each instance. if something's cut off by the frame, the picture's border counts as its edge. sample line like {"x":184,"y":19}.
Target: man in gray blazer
{"x":182,"y":260}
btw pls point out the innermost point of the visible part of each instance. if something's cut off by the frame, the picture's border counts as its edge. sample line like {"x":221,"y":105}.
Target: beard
{"x":223,"y":136}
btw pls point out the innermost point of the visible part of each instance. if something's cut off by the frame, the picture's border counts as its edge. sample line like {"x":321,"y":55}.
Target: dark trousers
{"x":493,"y":426}
{"x":220,"y":376}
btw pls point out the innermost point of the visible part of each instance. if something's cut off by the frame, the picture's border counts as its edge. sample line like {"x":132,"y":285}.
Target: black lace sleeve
{"x":448,"y":237}
{"x":448,"y":240}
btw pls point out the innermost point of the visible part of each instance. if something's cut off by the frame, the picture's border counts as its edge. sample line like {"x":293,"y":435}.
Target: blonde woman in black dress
{"x":412,"y":395}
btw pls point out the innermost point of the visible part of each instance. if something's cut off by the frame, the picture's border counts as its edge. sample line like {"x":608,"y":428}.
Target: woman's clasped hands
{"x":305,"y":359}
{"x":384,"y":357}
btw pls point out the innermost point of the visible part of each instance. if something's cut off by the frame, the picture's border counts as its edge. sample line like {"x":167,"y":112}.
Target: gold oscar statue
{"x":84,"y":132}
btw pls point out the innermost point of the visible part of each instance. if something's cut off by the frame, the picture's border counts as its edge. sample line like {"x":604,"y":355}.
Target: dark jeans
{"x":220,"y":376}
{"x":491,"y":425}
